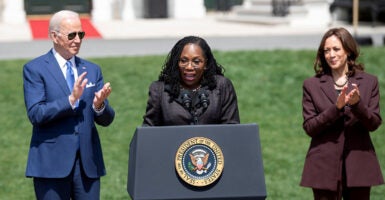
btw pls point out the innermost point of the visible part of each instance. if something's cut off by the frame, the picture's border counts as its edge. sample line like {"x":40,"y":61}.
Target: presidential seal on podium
{"x":199,"y":161}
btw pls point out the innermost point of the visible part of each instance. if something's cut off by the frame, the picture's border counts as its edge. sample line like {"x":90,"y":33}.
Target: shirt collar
{"x":61,"y":60}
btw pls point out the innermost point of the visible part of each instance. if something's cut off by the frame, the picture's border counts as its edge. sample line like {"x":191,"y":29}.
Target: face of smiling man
{"x":191,"y":66}
{"x":65,"y":46}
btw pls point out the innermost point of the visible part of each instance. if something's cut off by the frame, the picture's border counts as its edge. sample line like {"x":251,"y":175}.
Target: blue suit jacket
{"x":58,"y":130}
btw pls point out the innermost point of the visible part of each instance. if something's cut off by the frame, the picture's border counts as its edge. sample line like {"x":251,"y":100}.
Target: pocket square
{"x":90,"y":84}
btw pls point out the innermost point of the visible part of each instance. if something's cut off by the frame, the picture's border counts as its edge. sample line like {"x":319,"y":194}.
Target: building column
{"x":318,"y":14}
{"x":182,"y":9}
{"x":13,"y":11}
{"x":101,"y":10}
{"x":128,"y":10}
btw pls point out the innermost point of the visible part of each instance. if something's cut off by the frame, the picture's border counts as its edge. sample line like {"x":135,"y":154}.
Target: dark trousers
{"x":352,"y":193}
{"x":76,"y":186}
{"x":343,"y":192}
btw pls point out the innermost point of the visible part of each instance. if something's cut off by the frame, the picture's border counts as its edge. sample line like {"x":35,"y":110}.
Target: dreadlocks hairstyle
{"x":170,"y":69}
{"x":350,"y":46}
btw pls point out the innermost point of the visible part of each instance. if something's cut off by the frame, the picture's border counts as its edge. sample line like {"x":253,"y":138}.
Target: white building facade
{"x":13,"y":11}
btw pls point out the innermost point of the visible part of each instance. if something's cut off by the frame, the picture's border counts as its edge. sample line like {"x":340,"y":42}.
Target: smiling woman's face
{"x":191,"y":66}
{"x":335,"y":54}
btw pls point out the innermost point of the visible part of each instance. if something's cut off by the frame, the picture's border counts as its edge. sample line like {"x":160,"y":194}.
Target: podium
{"x":152,"y":174}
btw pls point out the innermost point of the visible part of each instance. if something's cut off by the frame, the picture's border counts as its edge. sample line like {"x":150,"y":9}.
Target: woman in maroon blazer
{"x":340,"y":108}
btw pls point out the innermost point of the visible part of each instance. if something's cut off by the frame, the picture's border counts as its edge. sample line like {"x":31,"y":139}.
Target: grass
{"x":269,"y":89}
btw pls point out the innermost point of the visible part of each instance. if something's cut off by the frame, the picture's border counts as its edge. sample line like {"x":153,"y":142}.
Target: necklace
{"x":342,"y":85}
{"x":193,"y":90}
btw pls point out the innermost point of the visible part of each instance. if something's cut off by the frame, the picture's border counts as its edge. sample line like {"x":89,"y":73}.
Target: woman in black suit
{"x":191,"y":89}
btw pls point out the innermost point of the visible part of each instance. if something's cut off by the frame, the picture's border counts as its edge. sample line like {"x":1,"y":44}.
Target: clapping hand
{"x":354,"y":95}
{"x":101,"y":95}
{"x":352,"y":98}
{"x":78,"y":89}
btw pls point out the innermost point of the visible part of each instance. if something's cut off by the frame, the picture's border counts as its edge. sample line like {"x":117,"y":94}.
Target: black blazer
{"x":222,"y":108}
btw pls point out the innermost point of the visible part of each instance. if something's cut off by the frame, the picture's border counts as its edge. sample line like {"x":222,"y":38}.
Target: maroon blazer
{"x":338,"y":135}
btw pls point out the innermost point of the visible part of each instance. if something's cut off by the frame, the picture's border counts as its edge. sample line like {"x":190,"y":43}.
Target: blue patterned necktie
{"x":70,"y":77}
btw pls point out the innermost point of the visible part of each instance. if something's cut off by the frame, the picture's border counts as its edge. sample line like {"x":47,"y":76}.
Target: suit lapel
{"x":54,"y":69}
{"x":327,"y":87}
{"x":356,"y":79}
{"x":80,"y":66}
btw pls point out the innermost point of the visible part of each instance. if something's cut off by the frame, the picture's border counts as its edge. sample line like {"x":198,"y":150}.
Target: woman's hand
{"x":354,"y":95}
{"x":342,"y":99}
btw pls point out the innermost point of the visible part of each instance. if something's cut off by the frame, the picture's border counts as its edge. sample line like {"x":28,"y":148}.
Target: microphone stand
{"x":194,"y":115}
{"x":203,"y":102}
{"x":192,"y":104}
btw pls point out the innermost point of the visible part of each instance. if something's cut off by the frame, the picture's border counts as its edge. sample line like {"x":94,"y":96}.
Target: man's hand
{"x":78,"y":89}
{"x":101,"y":95}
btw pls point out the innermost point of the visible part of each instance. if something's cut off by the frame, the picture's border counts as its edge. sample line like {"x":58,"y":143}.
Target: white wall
{"x":182,"y":9}
{"x":13,"y":11}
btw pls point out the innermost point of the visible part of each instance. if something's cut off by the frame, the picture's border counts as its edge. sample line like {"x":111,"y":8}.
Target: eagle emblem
{"x":199,"y":159}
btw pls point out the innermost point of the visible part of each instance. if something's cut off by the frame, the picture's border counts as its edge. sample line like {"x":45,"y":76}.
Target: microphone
{"x":203,"y":99}
{"x":186,"y":99}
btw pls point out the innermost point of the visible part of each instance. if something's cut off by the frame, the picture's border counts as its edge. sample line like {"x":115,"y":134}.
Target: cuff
{"x":100,"y":109}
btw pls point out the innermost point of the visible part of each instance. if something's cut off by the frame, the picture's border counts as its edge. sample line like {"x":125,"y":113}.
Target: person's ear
{"x":54,"y":36}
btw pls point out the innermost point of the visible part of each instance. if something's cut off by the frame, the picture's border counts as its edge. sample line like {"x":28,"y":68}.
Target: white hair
{"x":58,"y":17}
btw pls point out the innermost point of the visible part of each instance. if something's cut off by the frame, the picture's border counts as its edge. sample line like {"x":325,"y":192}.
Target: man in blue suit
{"x":65,"y":157}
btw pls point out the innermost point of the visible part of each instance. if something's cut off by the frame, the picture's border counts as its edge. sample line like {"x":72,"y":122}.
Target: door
{"x":45,"y":7}
{"x":155,"y":9}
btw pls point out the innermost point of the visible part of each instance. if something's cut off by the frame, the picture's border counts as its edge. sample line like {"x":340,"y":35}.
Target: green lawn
{"x":269,"y":89}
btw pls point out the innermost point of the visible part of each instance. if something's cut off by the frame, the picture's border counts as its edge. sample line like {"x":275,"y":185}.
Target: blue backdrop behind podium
{"x":152,"y":174}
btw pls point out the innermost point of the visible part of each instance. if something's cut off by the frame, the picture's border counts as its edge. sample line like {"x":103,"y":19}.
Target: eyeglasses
{"x":196,"y":63}
{"x":72,"y":35}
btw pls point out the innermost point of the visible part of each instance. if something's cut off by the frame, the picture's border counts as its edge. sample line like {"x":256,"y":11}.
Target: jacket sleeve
{"x":153,"y":113}
{"x":315,"y":119}
{"x":107,"y":116}
{"x":40,"y":108}
{"x":369,"y":113}
{"x":230,"y":112}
